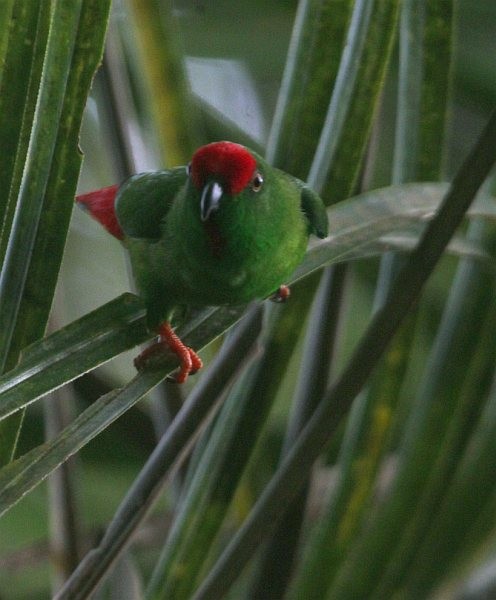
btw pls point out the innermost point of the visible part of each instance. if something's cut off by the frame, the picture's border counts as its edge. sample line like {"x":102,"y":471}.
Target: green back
{"x":143,"y":201}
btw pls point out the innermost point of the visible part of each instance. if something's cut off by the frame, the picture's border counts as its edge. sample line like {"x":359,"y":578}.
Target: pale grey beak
{"x":210,"y":199}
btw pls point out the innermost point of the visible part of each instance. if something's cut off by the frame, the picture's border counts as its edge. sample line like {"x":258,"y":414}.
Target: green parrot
{"x":224,"y":230}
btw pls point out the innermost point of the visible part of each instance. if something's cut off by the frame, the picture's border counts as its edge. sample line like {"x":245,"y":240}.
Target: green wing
{"x":315,"y":212}
{"x":143,"y":201}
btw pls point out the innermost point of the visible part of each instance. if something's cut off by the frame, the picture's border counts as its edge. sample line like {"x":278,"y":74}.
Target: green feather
{"x":315,"y":212}
{"x":245,"y":250}
{"x":143,"y":201}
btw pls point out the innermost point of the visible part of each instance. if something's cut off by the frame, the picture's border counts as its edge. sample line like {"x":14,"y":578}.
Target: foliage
{"x":388,"y":407}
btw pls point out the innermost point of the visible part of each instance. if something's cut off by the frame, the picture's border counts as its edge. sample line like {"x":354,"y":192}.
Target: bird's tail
{"x":100,"y":205}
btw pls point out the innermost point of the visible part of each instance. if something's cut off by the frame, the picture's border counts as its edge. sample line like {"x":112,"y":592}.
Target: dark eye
{"x":257,"y":182}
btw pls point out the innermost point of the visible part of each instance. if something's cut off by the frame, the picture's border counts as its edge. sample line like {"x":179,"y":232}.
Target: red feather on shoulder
{"x":100,"y":205}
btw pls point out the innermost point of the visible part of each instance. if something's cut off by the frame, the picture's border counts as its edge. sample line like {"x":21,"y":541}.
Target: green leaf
{"x":46,"y":192}
{"x":463,"y":516}
{"x":429,"y":449}
{"x":277,"y":561}
{"x":171,"y":449}
{"x":61,"y":184}
{"x":222,"y":459}
{"x":338,"y":399}
{"x":459,"y":246}
{"x":117,"y":325}
{"x":359,"y":82}
{"x":72,"y":351}
{"x":422,"y":108}
{"x":311,"y":68}
{"x":44,"y":174}
{"x":120,"y":324}
{"x":25,"y":29}
{"x":24,"y":473}
{"x":360,"y":222}
{"x":56,"y":66}
{"x":5,"y":20}
{"x":438,"y":66}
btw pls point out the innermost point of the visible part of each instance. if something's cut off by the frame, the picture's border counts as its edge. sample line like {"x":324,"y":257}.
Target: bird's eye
{"x":188,"y":168}
{"x":257,"y":182}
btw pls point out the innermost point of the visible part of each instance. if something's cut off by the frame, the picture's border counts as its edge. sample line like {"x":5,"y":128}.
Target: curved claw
{"x":190,"y":364}
{"x":169,"y":341}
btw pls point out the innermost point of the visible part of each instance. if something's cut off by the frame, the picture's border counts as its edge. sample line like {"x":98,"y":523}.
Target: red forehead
{"x":232,"y":163}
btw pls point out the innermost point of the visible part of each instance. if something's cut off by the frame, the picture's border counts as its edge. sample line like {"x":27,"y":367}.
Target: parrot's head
{"x":223,"y":169}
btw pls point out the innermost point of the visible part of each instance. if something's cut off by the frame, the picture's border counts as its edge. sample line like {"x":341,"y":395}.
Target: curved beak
{"x":210,"y":199}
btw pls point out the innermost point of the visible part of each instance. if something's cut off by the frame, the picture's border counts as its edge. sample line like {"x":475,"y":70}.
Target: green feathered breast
{"x":245,"y":250}
{"x":226,"y":229}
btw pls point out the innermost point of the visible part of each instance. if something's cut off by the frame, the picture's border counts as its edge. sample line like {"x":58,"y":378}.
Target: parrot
{"x":226,"y":229}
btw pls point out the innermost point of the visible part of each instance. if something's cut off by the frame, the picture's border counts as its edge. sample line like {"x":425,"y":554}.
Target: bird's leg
{"x":169,"y":340}
{"x":190,"y":361}
{"x":281,"y":295}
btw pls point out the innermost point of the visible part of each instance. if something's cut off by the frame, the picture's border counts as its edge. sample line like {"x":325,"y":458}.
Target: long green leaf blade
{"x":172,"y":447}
{"x":311,"y":68}
{"x":62,"y":181}
{"x":25,"y":29}
{"x":337,"y":401}
{"x":47,"y":141}
{"x":223,"y":459}
{"x":21,"y":475}
{"x":369,"y":426}
{"x":56,"y":66}
{"x":120,"y":325}
{"x":70,"y":352}
{"x":359,"y":81}
{"x":27,"y":471}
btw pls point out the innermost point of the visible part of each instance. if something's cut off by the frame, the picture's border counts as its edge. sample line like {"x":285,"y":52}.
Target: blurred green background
{"x":224,"y":42}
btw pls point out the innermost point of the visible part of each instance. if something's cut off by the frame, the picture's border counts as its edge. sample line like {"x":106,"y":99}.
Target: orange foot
{"x":281,"y":295}
{"x":168,"y":340}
